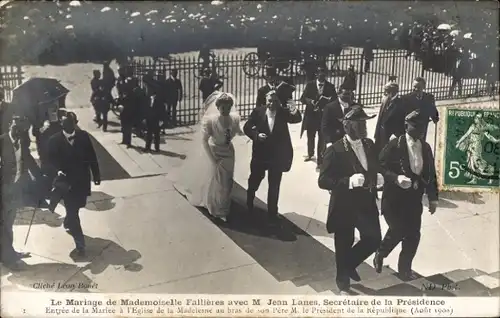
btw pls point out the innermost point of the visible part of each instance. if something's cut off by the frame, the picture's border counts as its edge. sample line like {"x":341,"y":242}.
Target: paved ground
{"x":144,"y":237}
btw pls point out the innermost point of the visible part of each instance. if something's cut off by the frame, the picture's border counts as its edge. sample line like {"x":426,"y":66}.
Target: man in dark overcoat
{"x":271,"y":149}
{"x":314,"y":111}
{"x":272,"y":80}
{"x":350,"y":171}
{"x":391,"y":116}
{"x":422,"y":101}
{"x":407,"y":164}
{"x":15,"y":167}
{"x":155,"y":114}
{"x":331,"y":121}
{"x":72,"y":155}
{"x":174,"y":96}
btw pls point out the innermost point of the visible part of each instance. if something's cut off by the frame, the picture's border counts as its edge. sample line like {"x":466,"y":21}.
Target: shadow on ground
{"x":61,"y":277}
{"x":109,"y":167}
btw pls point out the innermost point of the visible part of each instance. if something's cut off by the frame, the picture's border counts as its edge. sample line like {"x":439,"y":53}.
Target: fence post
{"x":360,"y":82}
{"x":393,"y":62}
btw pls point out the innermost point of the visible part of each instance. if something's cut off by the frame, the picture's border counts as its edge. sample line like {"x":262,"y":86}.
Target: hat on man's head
{"x":415,"y":118}
{"x":271,"y":71}
{"x":357,"y":113}
{"x":391,"y":86}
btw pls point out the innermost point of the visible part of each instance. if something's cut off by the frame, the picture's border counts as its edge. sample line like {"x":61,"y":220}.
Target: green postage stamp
{"x":468,"y":152}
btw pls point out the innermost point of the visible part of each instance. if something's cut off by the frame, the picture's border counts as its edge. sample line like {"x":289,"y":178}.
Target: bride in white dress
{"x":206,"y":178}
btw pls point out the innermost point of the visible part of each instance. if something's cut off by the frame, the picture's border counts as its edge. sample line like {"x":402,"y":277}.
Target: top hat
{"x":357,"y":113}
{"x":271,"y":71}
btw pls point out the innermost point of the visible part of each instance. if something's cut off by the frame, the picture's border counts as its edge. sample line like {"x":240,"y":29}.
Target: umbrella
{"x":35,"y":92}
{"x":468,"y":36}
{"x":444,"y":27}
{"x":455,"y":32}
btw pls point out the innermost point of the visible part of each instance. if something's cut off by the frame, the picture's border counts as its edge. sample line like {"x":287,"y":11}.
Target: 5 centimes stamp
{"x":469,"y":148}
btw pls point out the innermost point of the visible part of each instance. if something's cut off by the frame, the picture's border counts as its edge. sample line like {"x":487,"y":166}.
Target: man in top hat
{"x":390,"y":119}
{"x":350,"y":171}
{"x":333,"y":113}
{"x":272,"y":80}
{"x":407,"y":164}
{"x":15,"y":167}
{"x":422,"y":101}
{"x":209,"y":84}
{"x":72,"y":156}
{"x":316,"y":95}
{"x":174,"y":96}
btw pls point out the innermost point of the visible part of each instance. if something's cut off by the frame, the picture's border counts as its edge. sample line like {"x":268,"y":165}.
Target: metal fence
{"x":242,"y":75}
{"x":10,"y":77}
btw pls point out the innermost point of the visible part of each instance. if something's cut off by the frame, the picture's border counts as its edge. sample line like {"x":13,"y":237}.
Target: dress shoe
{"x":355,"y":276}
{"x":343,"y":285}
{"x":307,"y":158}
{"x":146,"y":150}
{"x":22,"y":255}
{"x":378,"y":263}
{"x":407,"y":275}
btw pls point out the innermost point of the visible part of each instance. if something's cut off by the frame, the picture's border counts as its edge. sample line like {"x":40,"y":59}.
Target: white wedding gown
{"x":202,"y":182}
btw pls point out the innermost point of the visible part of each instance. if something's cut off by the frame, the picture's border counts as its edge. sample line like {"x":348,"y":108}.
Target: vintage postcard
{"x":249,"y":159}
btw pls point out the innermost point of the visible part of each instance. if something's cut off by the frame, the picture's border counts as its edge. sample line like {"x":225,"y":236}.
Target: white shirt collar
{"x":343,"y":104}
{"x":69,"y":135}
{"x":270,"y":112}
{"x":318,"y":83}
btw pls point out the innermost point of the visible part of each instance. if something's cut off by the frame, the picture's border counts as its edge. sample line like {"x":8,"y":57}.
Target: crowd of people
{"x":352,"y":167}
{"x":66,"y":167}
{"x":237,"y":24}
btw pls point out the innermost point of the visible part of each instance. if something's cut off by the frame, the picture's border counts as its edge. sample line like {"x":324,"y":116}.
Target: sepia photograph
{"x":249,"y":158}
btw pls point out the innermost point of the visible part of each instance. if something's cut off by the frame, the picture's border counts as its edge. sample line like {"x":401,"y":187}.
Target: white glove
{"x":404,"y":182}
{"x":356,"y":180}
{"x":380,"y":180}
{"x":392,"y":137}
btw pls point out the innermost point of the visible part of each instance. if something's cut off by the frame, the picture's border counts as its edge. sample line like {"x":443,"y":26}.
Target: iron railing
{"x":243,"y":74}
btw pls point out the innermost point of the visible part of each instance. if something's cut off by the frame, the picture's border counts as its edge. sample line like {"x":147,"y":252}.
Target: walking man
{"x":271,"y":149}
{"x":407,"y":164}
{"x":73,"y":156}
{"x":16,"y":162}
{"x":350,"y":172}
{"x":316,"y":95}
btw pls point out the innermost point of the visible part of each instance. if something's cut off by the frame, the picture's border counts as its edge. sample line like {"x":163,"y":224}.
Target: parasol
{"x":468,"y":36}
{"x":444,"y":27}
{"x":455,"y":32}
{"x":36,"y":91}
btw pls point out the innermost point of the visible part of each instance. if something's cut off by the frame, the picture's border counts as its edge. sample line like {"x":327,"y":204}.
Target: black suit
{"x":390,"y":121}
{"x":77,"y":161}
{"x":154,"y":113}
{"x":351,"y":208}
{"x":173,"y":96}
{"x":312,"y":115}
{"x":15,"y":166}
{"x":426,"y":105}
{"x":261,"y":95}
{"x":275,"y":154}
{"x":331,"y":122}
{"x":402,"y":208}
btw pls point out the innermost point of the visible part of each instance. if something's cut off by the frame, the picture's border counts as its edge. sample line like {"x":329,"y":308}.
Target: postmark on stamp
{"x":469,"y":148}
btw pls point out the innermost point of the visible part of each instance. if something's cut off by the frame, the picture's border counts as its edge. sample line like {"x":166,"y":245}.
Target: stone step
{"x":462,"y":274}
